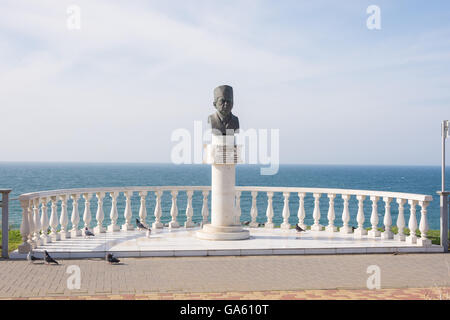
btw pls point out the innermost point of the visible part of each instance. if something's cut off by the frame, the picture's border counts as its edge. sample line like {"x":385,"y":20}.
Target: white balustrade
{"x":100,"y":215}
{"x":205,"y":208}
{"x":75,"y":217}
{"x":174,"y":210}
{"x":44,"y":222}
{"x":401,"y":220}
{"x":113,"y":214}
{"x":269,"y":212}
{"x":301,"y":210}
{"x":54,"y":220}
{"x":286,"y":213}
{"x":387,"y":233}
{"x":127,"y":213}
{"x":64,"y":218}
{"x":189,"y":210}
{"x":331,"y":214}
{"x":254,"y":210}
{"x":360,"y":231}
{"x":34,"y":226}
{"x":374,"y":232}
{"x":158,"y":211}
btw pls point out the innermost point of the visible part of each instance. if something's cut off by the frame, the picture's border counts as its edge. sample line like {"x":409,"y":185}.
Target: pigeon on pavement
{"x":88,"y":233}
{"x":31,"y":257}
{"x":140,"y":226}
{"x":49,"y":259}
{"x":298,"y":229}
{"x":111,"y":259}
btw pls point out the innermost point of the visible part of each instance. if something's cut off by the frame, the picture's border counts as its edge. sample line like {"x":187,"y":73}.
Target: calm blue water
{"x":29,"y":177}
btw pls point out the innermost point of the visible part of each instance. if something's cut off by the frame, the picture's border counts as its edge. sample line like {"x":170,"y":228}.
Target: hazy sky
{"x":117,"y":88}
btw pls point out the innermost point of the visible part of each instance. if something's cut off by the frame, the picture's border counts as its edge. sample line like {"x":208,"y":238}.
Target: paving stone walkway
{"x":247,"y":277}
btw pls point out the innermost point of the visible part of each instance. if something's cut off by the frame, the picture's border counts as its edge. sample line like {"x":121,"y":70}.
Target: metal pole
{"x":5,"y":231}
{"x":444,"y":133}
{"x":444,"y":220}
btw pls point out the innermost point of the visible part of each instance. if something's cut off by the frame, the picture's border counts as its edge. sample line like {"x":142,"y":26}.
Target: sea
{"x":32,"y":176}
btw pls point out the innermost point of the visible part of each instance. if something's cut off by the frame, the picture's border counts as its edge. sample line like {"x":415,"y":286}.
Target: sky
{"x":117,"y":88}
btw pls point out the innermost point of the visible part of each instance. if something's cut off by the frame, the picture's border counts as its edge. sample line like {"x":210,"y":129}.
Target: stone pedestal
{"x":223,"y":155}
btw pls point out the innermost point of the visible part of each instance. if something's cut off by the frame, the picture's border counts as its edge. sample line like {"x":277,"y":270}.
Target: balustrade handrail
{"x":356,"y":192}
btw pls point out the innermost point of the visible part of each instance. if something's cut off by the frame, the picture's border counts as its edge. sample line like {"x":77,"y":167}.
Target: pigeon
{"x":49,"y":259}
{"x":31,"y":258}
{"x":88,"y":233}
{"x":353,"y":228}
{"x":111,"y":259}
{"x":246,"y":223}
{"x":298,"y":229}
{"x":140,"y":226}
{"x":260,"y":224}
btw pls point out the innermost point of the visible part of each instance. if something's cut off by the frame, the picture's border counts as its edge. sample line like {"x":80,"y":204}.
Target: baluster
{"x":31,"y":224}
{"x":158,"y":212}
{"x":423,"y":227}
{"x":254,"y":210}
{"x":360,"y":231}
{"x":316,"y":214}
{"x":269,"y":212}
{"x":189,"y":210}
{"x":127,"y":214}
{"x":113,"y":214}
{"x":64,"y":218}
{"x":100,"y":215}
{"x":44,"y":222}
{"x":75,"y":218}
{"x":54,"y":220}
{"x":374,"y":232}
{"x":205,"y":209}
{"x":87,"y":217}
{"x":36,"y":221}
{"x":387,"y":234}
{"x":412,"y":224}
{"x":286,"y":213}
{"x":401,"y":220}
{"x":174,"y":210}
{"x":346,"y":215}
{"x":143,"y":207}
{"x":301,"y":210}
{"x":237,"y":220}
{"x":331,"y":214}
{"x":25,"y":247}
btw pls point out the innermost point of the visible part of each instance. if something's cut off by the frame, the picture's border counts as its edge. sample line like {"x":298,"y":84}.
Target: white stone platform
{"x":183,"y":242}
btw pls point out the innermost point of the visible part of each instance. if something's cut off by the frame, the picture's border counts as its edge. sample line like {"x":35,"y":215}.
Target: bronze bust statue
{"x":223,"y":122}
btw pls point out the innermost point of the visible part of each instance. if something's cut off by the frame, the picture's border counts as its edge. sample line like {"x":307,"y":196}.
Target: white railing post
{"x":387,"y":233}
{"x":205,"y":209}
{"x":346,"y":216}
{"x":44,"y":222}
{"x":158,"y":212}
{"x":100,"y":215}
{"x":286,"y":212}
{"x":113,"y":214}
{"x":401,"y":220}
{"x":269,"y":212}
{"x":423,"y":226}
{"x":237,"y":217}
{"x":331,"y":214}
{"x":374,"y":232}
{"x":316,"y":214}
{"x":254,"y":210}
{"x":143,"y":207}
{"x":360,"y":231}
{"x":174,"y":210}
{"x":64,"y":218}
{"x":87,"y":217}
{"x":37,"y":224}
{"x":25,"y":247}
{"x":189,"y":210}
{"x":75,"y":218}
{"x":54,"y":220}
{"x":412,"y":224}
{"x":301,"y":210}
{"x":127,"y":226}
{"x":31,"y":224}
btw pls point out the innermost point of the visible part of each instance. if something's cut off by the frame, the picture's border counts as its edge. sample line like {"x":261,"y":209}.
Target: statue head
{"x":223,"y":99}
